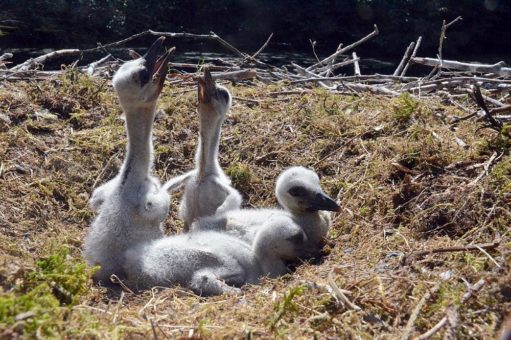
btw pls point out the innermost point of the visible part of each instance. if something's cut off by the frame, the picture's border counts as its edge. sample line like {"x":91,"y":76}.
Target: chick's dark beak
{"x":151,"y":61}
{"x":152,"y":53}
{"x":160,"y":68}
{"x":207,"y":87}
{"x":323,"y":202}
{"x":208,"y":80}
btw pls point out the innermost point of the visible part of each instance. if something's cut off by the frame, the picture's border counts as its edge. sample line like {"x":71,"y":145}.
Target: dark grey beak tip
{"x":152,"y":53}
{"x":208,"y":78}
{"x":323,"y":202}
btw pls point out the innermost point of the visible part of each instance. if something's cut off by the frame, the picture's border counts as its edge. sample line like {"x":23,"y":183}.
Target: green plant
{"x":286,"y":305}
{"x":404,"y":107}
{"x":240,"y":175}
{"x":40,"y":303}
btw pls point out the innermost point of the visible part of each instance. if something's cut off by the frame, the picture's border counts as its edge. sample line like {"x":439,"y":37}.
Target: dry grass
{"x":404,"y":183}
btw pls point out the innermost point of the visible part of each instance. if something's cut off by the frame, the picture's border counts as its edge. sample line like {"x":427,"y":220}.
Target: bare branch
{"x":345,"y":49}
{"x":414,"y":53}
{"x":405,"y":58}
{"x":263,"y":47}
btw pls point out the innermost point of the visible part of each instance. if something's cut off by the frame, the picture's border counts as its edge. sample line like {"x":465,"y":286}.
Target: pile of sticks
{"x":340,"y":72}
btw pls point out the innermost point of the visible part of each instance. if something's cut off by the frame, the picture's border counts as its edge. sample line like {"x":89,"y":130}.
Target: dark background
{"x":484,"y":34}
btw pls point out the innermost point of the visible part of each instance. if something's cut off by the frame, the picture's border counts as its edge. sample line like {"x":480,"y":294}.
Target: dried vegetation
{"x":405,"y":182}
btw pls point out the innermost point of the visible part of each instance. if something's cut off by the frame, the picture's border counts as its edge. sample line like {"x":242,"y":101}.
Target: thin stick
{"x":345,"y":49}
{"x":330,"y":68}
{"x":486,"y":168}
{"x":262,"y":47}
{"x":45,"y":57}
{"x":415,"y":313}
{"x":337,"y":292}
{"x":119,"y":303}
{"x":442,"y":37}
{"x":470,"y":247}
{"x":405,"y":58}
{"x":355,"y":64}
{"x":489,"y":256}
{"x":313,"y":45}
{"x":474,"y":289}
{"x":478,"y":98}
{"x":497,"y":68}
{"x":414,"y":53}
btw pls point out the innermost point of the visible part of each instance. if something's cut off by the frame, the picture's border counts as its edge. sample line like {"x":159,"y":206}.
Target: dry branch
{"x":355,"y":64}
{"x":478,"y":98}
{"x":235,"y":76}
{"x":497,"y":68}
{"x":345,"y":49}
{"x":333,"y":67}
{"x":414,"y":53}
{"x":262,"y":47}
{"x":27,"y":65}
{"x":470,"y":247}
{"x":405,"y":58}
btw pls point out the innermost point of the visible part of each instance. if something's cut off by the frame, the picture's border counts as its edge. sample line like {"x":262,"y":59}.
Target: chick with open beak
{"x":140,"y":81}
{"x":155,"y":68}
{"x":209,"y":191}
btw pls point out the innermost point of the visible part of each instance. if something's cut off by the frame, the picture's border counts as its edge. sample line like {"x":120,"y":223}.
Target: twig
{"x":489,"y":256}
{"x":378,"y":89}
{"x":486,"y":168}
{"x":470,"y":247}
{"x":330,"y":69}
{"x":115,"y":279}
{"x":474,"y":289}
{"x":355,"y":64}
{"x":313,"y":45}
{"x":415,"y":313}
{"x":345,"y":49}
{"x":45,"y":57}
{"x":405,"y":59}
{"x":414,"y":53}
{"x":91,"y":69}
{"x":338,"y":294}
{"x":235,"y":76}
{"x":443,"y":34}
{"x":154,"y":330}
{"x":478,"y":98}
{"x":262,"y":47}
{"x":405,"y":169}
{"x":456,"y":120}
{"x":119,"y":303}
{"x":381,"y":77}
{"x":227,"y":45}
{"x":443,"y":31}
{"x":497,"y":68}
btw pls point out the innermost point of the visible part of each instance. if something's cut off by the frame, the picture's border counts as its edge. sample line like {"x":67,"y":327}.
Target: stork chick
{"x":212,"y":262}
{"x":132,"y":205}
{"x":208,"y":191}
{"x":304,"y":204}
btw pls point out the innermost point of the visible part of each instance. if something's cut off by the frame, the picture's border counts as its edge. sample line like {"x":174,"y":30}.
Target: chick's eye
{"x":297,"y":191}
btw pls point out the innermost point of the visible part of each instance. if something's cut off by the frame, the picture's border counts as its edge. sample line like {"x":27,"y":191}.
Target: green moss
{"x":404,"y":107}
{"x":500,"y":177}
{"x":41,"y":302}
{"x":240,"y":174}
{"x":336,"y":185}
